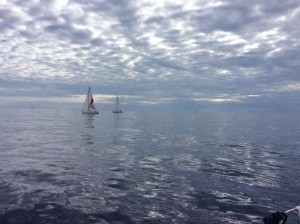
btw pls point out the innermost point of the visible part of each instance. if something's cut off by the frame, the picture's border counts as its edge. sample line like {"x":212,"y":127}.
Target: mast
{"x":117,"y":103}
{"x":117,"y":109}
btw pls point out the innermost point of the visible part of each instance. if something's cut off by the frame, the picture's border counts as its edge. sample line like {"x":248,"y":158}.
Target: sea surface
{"x":59,"y":166}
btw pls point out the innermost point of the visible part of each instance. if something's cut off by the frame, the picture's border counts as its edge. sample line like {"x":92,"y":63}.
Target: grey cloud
{"x":8,"y":19}
{"x":233,"y":18}
{"x":96,"y":41}
{"x":277,"y":7}
{"x":65,"y":30}
{"x":167,"y":64}
{"x":153,"y":57}
{"x":247,"y":60}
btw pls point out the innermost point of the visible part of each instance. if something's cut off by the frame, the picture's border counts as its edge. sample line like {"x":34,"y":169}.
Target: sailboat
{"x":117,"y":110}
{"x":89,"y":105}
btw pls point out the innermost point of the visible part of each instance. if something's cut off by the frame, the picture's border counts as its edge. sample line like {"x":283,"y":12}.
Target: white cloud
{"x":285,"y":87}
{"x":168,"y":48}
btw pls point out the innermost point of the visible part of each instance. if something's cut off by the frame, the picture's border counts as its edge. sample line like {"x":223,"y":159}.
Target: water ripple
{"x":62,"y":167}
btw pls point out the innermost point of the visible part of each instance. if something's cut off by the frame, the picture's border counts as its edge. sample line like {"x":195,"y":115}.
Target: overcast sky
{"x":167,"y":53}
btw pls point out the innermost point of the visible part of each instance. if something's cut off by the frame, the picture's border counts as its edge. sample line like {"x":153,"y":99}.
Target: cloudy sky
{"x":153,"y":53}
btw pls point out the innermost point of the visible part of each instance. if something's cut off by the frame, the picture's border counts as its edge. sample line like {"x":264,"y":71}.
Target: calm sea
{"x":59,"y":166}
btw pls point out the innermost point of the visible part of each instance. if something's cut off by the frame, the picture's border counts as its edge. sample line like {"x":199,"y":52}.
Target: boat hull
{"x":90,"y":112}
{"x":117,"y":111}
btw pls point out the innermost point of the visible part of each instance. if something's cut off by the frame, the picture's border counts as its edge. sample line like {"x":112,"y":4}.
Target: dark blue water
{"x":59,"y":166}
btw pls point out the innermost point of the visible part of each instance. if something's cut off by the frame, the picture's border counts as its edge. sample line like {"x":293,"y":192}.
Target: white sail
{"x":117,"y":109}
{"x":89,"y":104}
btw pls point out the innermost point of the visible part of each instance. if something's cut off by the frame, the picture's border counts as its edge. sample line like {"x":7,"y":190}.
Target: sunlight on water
{"x":146,"y":167}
